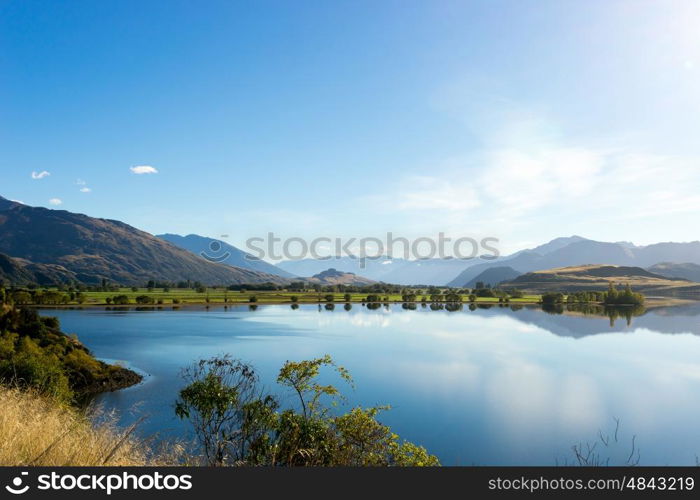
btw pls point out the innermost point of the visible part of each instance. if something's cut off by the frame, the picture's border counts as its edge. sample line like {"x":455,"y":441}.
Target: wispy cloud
{"x":55,"y":201}
{"x":550,"y":183}
{"x":40,"y":175}
{"x":85,"y":190}
{"x":528,"y":180}
{"x":429,"y":193}
{"x":143,"y":169}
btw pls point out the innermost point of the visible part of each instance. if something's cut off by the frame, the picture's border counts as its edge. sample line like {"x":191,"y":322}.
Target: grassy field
{"x":36,"y":430}
{"x":178,"y":296}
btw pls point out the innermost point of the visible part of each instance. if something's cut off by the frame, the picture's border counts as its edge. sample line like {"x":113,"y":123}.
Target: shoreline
{"x":651,"y":302}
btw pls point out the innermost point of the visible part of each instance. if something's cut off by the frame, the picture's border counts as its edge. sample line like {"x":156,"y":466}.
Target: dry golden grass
{"x":35,"y":430}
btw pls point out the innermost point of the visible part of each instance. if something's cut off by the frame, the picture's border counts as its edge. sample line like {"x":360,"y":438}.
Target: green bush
{"x":144,"y":299}
{"x":237,"y":423}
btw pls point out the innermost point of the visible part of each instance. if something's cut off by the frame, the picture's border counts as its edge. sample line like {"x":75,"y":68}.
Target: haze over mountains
{"x":49,"y":246}
{"x":560,"y":252}
{"x":222,"y":252}
{"x":389,"y":270}
{"x":576,"y":251}
{"x":685,"y":270}
{"x":72,"y":246}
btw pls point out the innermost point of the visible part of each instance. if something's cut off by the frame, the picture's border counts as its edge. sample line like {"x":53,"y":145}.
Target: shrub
{"x":144,"y":299}
{"x":237,"y":423}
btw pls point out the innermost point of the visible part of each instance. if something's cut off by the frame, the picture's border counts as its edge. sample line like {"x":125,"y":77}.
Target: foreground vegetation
{"x":36,"y":429}
{"x":43,"y":373}
{"x":34,"y":353}
{"x":237,"y":423}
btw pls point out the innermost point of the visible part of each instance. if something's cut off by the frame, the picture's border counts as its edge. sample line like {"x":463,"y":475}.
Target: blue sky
{"x":524,"y":120}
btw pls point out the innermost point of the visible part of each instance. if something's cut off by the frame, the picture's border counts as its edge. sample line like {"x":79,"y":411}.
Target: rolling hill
{"x":598,"y":277}
{"x":334,"y":277}
{"x":687,"y":270}
{"x":493,"y":276}
{"x":94,"y":249}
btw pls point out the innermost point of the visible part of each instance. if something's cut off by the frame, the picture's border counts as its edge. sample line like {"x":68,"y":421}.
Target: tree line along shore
{"x":241,"y":294}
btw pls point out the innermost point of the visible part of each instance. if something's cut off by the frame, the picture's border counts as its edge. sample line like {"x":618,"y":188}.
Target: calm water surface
{"x":490,"y":386}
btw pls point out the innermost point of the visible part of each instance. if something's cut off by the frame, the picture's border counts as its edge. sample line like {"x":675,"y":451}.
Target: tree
{"x":120,"y":299}
{"x":552,"y":298}
{"x":144,"y":299}
{"x":301,"y":377}
{"x":230,"y":415}
{"x":236,"y":423}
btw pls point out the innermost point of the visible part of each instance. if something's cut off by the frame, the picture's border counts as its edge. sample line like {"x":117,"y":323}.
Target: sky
{"x":520,"y":120}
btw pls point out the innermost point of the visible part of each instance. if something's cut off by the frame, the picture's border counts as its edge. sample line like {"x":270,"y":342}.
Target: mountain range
{"x":686,"y":270}
{"x":574,"y":251}
{"x":560,"y":252}
{"x":48,"y":246}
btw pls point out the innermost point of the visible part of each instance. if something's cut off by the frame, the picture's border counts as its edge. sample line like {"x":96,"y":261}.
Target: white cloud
{"x":55,"y":201}
{"x":143,"y":169}
{"x":536,"y":185}
{"x":85,"y":190}
{"x":80,"y":182}
{"x":555,"y":180}
{"x":40,"y":175}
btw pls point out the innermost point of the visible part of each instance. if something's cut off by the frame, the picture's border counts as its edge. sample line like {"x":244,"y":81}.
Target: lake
{"x":485,"y":387}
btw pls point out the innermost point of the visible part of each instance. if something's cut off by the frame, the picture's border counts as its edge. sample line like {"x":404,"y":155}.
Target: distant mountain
{"x":334,"y":277}
{"x":435,"y":272}
{"x":598,"y":277}
{"x":493,"y":276}
{"x":685,"y":270}
{"x":223,"y":253}
{"x":579,"y":251}
{"x":521,"y":262}
{"x":557,"y":244}
{"x":668,"y":252}
{"x":93,"y":249}
{"x":374,"y":269}
{"x":389,"y":270}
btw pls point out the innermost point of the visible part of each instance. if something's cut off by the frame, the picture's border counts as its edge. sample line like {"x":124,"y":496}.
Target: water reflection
{"x":613,"y":313}
{"x":476,"y":384}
